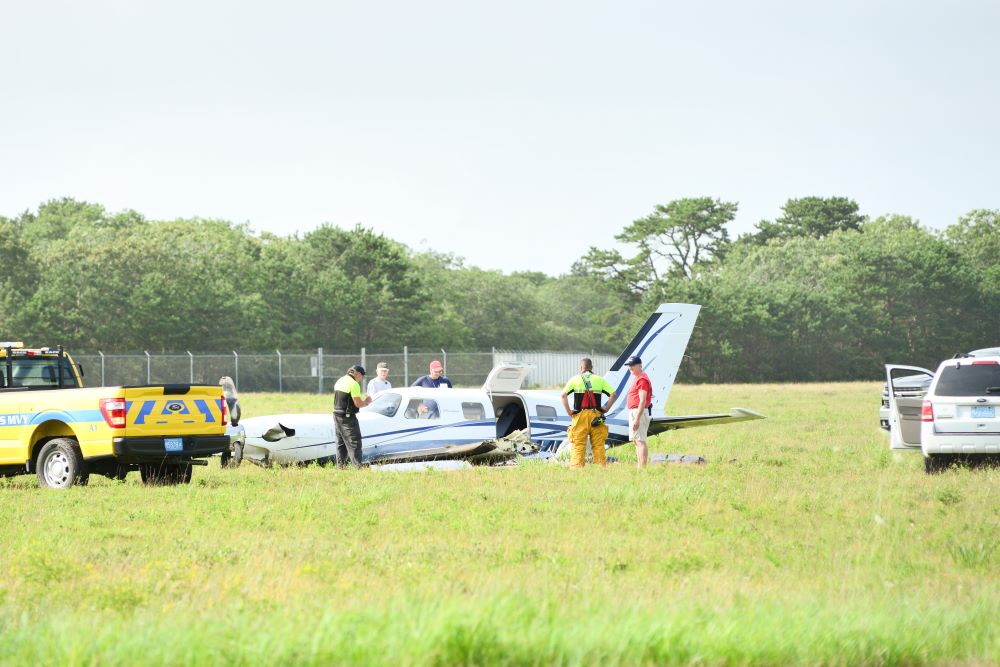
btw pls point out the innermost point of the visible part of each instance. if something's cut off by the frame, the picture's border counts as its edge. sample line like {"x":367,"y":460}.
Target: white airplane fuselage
{"x":395,"y":427}
{"x":417,"y":423}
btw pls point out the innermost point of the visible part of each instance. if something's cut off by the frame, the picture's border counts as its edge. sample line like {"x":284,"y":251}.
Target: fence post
{"x":192,"y":366}
{"x":406,"y":367}
{"x":363,"y":359}
{"x":279,"y":370}
{"x":236,"y":368}
{"x":444,"y":361}
{"x":319,"y":366}
{"x":102,"y":367}
{"x":149,"y":369}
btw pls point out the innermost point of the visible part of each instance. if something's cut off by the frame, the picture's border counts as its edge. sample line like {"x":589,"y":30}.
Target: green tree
{"x":671,"y":242}
{"x":159,"y":286}
{"x":976,"y":237}
{"x":18,"y":277}
{"x":56,"y":219}
{"x":834,"y":308}
{"x":474,"y":309}
{"x":365,"y":289}
{"x":814,"y":217}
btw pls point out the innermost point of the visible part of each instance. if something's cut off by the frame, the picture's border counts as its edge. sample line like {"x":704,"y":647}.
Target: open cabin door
{"x":906,"y":386}
{"x":506,"y":378}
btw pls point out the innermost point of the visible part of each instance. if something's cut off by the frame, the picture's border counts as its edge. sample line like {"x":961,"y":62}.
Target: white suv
{"x":958,"y":419}
{"x":917,"y":384}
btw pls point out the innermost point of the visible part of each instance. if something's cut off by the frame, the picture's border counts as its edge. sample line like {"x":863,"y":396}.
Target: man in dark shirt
{"x":433,"y":380}
{"x":347,"y":400}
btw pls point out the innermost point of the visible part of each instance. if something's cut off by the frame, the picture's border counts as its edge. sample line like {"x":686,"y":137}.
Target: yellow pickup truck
{"x":51,"y":425}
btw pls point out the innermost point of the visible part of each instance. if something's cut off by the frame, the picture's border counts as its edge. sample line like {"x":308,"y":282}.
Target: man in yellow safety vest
{"x":587,"y":413}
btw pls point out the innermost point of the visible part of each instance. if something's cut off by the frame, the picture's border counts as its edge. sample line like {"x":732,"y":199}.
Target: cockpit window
{"x":419,"y":408}
{"x":385,"y":403}
{"x":546,"y":413}
{"x":473,"y":411}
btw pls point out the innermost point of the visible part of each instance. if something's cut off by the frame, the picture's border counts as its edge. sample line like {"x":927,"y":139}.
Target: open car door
{"x":906,"y":386}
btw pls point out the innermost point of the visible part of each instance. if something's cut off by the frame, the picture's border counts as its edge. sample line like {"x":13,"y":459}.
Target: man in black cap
{"x":347,"y":400}
{"x":639,"y":400}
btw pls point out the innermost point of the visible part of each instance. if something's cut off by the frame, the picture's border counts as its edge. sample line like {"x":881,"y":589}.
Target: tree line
{"x":822,"y":292}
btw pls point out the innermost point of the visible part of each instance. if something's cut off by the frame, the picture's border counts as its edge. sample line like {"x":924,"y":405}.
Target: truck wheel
{"x":166,"y":474}
{"x":179,"y":473}
{"x":60,"y":465}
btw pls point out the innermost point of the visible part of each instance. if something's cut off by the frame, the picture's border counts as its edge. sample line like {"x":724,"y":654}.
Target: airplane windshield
{"x":385,"y":403}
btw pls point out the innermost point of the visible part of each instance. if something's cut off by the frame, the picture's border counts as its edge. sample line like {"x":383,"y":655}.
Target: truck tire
{"x":60,"y":465}
{"x":165,"y":474}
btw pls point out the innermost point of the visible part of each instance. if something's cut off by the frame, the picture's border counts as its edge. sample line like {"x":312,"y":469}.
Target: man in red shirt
{"x":640,"y":397}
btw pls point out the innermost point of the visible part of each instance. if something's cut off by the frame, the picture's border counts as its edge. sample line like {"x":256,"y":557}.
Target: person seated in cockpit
{"x":422,"y":409}
{"x":428,"y":410}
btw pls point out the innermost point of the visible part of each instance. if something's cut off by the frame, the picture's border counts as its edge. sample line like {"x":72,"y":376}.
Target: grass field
{"x":802,"y":541}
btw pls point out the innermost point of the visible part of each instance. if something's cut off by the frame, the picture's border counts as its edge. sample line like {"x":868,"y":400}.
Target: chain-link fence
{"x":316,"y":372}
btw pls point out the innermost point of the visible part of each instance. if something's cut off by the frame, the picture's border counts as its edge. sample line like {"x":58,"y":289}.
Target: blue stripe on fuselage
{"x":428,"y":428}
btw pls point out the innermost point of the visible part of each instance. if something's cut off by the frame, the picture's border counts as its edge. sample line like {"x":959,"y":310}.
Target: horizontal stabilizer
{"x":661,"y":424}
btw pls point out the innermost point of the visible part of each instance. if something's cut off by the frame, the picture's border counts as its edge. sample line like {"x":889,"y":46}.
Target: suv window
{"x":969,"y":379}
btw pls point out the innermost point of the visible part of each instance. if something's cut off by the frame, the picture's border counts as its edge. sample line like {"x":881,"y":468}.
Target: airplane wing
{"x":487,"y":451}
{"x":661,"y":424}
{"x":434,"y":453}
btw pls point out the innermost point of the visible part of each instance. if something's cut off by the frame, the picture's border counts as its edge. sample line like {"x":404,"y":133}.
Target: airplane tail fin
{"x":660,"y":344}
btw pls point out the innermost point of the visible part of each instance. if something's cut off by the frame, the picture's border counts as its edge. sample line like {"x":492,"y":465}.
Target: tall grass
{"x":802,"y":541}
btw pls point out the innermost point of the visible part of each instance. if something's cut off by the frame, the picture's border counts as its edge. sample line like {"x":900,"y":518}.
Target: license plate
{"x":984,"y":411}
{"x":173,"y":444}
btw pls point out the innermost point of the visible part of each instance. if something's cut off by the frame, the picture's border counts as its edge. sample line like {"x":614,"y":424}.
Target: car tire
{"x":935,"y":463}
{"x":60,"y":465}
{"x":165,"y":474}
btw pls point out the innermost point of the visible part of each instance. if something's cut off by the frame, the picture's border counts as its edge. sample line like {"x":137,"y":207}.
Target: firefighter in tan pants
{"x":587,"y":414}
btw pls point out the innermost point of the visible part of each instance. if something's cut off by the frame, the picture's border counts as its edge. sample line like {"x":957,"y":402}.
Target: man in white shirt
{"x":379,"y":383}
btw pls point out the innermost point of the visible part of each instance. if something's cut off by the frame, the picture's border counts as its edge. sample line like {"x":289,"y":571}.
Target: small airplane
{"x":495,"y":422}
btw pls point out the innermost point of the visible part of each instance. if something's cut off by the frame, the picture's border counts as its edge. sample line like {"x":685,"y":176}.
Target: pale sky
{"x":513,"y":134}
